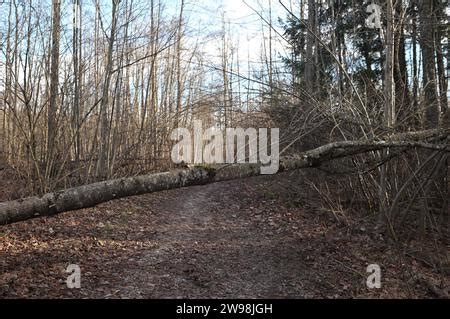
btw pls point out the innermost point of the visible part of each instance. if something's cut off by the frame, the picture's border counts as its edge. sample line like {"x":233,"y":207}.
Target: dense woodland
{"x":91,"y":90}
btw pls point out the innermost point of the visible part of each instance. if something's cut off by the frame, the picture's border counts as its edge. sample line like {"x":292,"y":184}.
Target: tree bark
{"x":400,"y":67}
{"x":104,"y":126}
{"x":54,"y":86}
{"x":389,"y":104}
{"x":93,"y":194}
{"x":179,"y":77}
{"x":443,"y":85}
{"x":310,"y":42}
{"x":429,"y":65}
{"x":389,"y":99}
{"x":77,"y":79}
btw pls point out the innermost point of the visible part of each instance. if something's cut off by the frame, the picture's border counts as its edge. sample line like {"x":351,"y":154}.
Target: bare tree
{"x":54,"y":88}
{"x":103,"y":167}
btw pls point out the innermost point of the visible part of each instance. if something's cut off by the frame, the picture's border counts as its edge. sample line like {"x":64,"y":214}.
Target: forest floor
{"x":252,"y":238}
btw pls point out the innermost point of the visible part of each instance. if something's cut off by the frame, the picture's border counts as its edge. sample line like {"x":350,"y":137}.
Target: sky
{"x":204,"y":21}
{"x":205,"y":17}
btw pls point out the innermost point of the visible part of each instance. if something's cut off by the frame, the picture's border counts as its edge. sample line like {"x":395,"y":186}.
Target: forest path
{"x":209,"y":246}
{"x":263,"y":237}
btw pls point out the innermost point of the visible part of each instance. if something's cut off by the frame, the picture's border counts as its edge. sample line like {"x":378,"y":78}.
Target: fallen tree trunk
{"x":93,"y":194}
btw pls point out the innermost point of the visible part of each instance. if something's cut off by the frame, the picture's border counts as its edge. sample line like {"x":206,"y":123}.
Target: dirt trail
{"x":261,"y":237}
{"x":208,"y":247}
